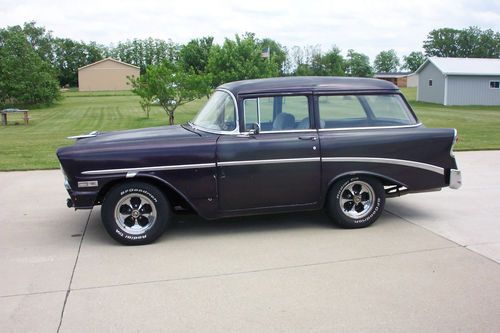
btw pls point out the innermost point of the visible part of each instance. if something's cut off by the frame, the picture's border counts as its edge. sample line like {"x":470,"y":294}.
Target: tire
{"x":135,"y":213}
{"x":355,"y":202}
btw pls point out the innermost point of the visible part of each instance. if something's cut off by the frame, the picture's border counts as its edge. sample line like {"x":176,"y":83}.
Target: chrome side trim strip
{"x":367,"y":128}
{"x":270,"y":161}
{"x":155,"y":168}
{"x":413,"y":164}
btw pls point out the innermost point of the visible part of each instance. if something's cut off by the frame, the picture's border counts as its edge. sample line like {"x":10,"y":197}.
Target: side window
{"x":277,"y":113}
{"x":387,"y":109}
{"x":341,"y":111}
{"x":364,"y":111}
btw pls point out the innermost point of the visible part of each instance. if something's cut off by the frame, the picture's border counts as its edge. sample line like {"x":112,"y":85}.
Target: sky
{"x":365,"y":26}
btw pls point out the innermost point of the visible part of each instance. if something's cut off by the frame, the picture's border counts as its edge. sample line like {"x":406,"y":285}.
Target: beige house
{"x":106,"y":74}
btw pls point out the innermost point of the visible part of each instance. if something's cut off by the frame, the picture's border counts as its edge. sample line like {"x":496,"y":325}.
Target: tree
{"x":330,"y":63}
{"x":25,"y":79}
{"x":173,"y":86}
{"x":145,"y":52}
{"x":194,"y":55}
{"x":142,"y":88}
{"x":277,"y":54}
{"x":386,"y":62}
{"x":239,"y":59}
{"x":413,"y":61}
{"x":69,"y":55}
{"x":358,"y":64}
{"x":471,"y":42}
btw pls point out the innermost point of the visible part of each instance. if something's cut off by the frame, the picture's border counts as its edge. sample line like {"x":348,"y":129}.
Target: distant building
{"x":412,"y":80}
{"x":459,"y":81}
{"x":106,"y":74}
{"x":399,"y":78}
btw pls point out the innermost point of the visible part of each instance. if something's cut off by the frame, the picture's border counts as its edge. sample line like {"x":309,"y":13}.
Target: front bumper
{"x":455,"y":179}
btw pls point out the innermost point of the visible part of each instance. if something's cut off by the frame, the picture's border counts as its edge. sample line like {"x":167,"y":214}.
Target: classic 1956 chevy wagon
{"x":262,"y":146}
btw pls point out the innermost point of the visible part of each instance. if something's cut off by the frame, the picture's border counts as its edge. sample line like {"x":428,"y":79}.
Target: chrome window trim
{"x":270,"y":161}
{"x":408,"y":163}
{"x":368,"y":128}
{"x":236,"y":129}
{"x":155,"y":168}
{"x":289,"y":131}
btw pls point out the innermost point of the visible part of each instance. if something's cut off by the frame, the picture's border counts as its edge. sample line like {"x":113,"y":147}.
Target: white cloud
{"x":366,"y":26}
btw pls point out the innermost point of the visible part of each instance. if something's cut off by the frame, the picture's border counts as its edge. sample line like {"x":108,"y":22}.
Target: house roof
{"x":464,"y":66}
{"x":392,"y":75}
{"x":307,"y":83}
{"x":106,"y":59}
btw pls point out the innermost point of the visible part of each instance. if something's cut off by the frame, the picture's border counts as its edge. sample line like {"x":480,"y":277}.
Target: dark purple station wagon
{"x":263,"y":146}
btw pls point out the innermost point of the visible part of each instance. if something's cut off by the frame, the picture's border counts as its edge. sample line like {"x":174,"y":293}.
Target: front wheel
{"x":356,"y":202}
{"x":135,"y":213}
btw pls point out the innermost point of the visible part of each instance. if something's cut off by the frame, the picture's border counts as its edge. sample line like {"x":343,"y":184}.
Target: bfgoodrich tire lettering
{"x":135,"y":213}
{"x":356,"y":202}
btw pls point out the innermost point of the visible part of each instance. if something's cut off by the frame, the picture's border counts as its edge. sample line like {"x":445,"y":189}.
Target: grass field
{"x":33,"y":146}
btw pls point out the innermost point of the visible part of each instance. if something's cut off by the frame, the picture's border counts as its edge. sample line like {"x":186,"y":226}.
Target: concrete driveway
{"x":431,"y":263}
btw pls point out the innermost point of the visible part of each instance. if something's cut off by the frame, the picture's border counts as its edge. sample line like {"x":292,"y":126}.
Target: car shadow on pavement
{"x":190,"y":226}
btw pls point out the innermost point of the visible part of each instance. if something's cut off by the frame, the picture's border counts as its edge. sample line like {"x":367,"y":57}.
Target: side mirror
{"x":255,"y":129}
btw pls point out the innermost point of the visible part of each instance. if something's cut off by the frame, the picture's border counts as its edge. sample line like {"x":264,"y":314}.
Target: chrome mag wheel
{"x":135,"y":213}
{"x":357,"y":199}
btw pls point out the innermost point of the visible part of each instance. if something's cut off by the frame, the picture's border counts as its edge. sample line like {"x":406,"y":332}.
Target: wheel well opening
{"x":178,"y":203}
{"x":392,"y":188}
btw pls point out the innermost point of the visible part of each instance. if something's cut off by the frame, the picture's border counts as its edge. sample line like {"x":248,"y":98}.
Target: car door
{"x":280,"y":166}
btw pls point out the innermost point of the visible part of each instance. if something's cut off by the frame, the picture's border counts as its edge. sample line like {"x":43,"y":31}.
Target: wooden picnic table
{"x":5,"y":112}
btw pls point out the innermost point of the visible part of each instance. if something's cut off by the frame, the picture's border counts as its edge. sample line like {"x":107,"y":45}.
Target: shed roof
{"x":106,"y":59}
{"x":392,"y":75}
{"x":307,"y":83}
{"x":464,"y":66}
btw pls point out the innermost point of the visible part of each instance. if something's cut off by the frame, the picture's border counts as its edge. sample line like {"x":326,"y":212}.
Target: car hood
{"x":152,"y":133}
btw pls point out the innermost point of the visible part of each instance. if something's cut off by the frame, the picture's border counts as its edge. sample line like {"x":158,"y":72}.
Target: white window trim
{"x":494,"y":87}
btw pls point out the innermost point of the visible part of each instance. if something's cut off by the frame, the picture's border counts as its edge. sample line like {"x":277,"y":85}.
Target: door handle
{"x":313,"y":138}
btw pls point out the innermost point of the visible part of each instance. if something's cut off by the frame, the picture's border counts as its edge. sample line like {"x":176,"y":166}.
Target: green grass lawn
{"x":33,"y":146}
{"x":478,"y":126}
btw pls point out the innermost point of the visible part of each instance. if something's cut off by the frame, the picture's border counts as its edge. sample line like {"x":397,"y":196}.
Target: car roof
{"x":307,"y":84}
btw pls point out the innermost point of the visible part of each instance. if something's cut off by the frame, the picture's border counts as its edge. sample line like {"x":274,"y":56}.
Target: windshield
{"x":218,"y":114}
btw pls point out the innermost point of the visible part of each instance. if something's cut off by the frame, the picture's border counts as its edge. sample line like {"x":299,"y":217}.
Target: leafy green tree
{"x":386,"y":62}
{"x":413,"y":61}
{"x":239,"y":59}
{"x":302,"y":58}
{"x":358,"y":64}
{"x":194,"y":55}
{"x":141,"y":87}
{"x":145,"y":52}
{"x":69,"y":55}
{"x":173,"y":86}
{"x":471,"y":42}
{"x":330,"y":63}
{"x":277,"y":54}
{"x":442,"y":42}
{"x":25,"y":79}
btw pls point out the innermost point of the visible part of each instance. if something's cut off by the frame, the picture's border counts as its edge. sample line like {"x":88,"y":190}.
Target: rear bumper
{"x":455,"y":179}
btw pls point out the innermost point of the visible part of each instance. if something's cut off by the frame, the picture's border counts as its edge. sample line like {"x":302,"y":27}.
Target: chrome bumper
{"x":455,"y":179}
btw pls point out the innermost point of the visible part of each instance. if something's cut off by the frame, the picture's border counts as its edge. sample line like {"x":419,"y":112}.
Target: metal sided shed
{"x":459,"y":81}
{"x":106,"y":74}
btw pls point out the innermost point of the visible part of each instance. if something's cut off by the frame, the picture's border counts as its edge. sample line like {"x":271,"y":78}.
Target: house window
{"x":430,"y":83}
{"x":495,"y":84}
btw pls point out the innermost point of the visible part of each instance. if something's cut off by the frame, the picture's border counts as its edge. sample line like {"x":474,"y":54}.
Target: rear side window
{"x":342,"y":111}
{"x":277,"y":113}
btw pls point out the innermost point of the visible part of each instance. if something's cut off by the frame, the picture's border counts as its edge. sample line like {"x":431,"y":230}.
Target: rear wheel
{"x":356,"y":202}
{"x":135,"y":213}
